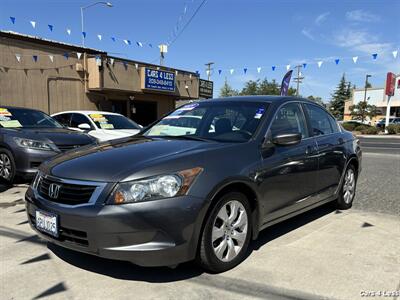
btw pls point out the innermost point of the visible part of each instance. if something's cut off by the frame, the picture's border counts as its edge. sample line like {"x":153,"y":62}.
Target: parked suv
{"x":382,"y":122}
{"x":28,"y":137}
{"x":162,"y":199}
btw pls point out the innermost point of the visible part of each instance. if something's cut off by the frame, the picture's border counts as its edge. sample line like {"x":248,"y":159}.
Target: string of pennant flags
{"x":84,"y":34}
{"x":304,"y":64}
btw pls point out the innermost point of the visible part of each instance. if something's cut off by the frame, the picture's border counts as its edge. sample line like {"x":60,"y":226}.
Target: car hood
{"x":105,"y":134}
{"x":116,"y":160}
{"x":59,"y":136}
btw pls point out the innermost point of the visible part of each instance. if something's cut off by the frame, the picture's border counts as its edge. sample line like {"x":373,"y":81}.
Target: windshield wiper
{"x":185,"y":137}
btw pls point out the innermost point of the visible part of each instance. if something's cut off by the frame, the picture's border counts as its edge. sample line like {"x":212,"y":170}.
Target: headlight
{"x":152,"y":188}
{"x":34,"y":144}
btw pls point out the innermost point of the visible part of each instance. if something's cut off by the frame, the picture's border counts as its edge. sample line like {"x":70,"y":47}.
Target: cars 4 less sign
{"x":157,"y":80}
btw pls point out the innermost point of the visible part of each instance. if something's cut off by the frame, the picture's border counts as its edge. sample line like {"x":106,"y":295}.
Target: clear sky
{"x":235,"y":34}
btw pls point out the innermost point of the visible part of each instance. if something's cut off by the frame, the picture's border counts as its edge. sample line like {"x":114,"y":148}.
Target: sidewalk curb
{"x":389,"y":136}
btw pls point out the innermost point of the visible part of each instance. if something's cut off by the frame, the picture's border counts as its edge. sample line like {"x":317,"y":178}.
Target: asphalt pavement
{"x":381,"y":144}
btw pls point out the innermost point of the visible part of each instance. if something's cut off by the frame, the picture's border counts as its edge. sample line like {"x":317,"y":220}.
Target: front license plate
{"x":47,"y":222}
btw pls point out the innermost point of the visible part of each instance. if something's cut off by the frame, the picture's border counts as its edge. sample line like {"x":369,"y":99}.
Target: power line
{"x":188,"y":22}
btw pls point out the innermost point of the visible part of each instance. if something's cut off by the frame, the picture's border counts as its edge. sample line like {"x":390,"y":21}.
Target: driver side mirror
{"x":286,"y":139}
{"x":84,"y":126}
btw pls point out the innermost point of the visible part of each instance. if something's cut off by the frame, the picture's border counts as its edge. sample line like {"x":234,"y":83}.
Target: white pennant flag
{"x":69,"y":31}
{"x":287,"y":67}
{"x":258,"y":70}
{"x":112,"y":61}
{"x":231,"y":71}
{"x":78,"y":54}
{"x":18,"y":57}
{"x":51,"y":58}
{"x":320,"y":63}
{"x":33,"y":23}
{"x":136,"y":66}
{"x":126,"y":42}
{"x":207,"y":72}
{"x":99,"y":37}
{"x":355,"y":58}
{"x":395,"y":53}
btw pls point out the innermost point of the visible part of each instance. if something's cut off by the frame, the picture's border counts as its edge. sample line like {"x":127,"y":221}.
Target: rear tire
{"x":348,"y":189}
{"x":226,"y":234}
{"x":7,"y":166}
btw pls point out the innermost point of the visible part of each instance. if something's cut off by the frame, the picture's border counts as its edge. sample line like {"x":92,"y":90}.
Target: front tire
{"x":7,"y":166}
{"x":226,"y":234}
{"x":348,"y":188}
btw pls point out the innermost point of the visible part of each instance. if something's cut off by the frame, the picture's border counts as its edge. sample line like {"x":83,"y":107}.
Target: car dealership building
{"x":53,"y":76}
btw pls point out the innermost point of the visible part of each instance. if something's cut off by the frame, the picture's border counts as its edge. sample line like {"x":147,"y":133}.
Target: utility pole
{"x":209,"y":70}
{"x":298,"y":79}
{"x":365,"y":96}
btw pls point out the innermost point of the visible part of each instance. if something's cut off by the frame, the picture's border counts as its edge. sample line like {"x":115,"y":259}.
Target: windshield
{"x":105,"y":121}
{"x":26,"y":118}
{"x":221,"y":121}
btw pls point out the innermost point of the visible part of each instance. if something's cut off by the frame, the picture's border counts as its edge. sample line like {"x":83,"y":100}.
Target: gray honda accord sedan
{"x":199,"y":184}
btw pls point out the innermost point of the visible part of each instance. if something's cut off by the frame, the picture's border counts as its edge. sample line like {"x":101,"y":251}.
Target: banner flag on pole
{"x":355,"y":58}
{"x":287,"y":67}
{"x":337,"y":61}
{"x":66,"y":55}
{"x":99,"y":37}
{"x":68,"y":31}
{"x":375,"y":55}
{"x":394,"y":53}
{"x":78,"y":54}
{"x":18,"y":57}
{"x":258,"y":70}
{"x":113,"y":39}
{"x":12,"y":20}
{"x":35,"y":58}
{"x":231,"y":71}
{"x":245,"y":70}
{"x":51,"y":58}
{"x":304,"y":65}
{"x":320,"y":63}
{"x":219,"y":72}
{"x":50,"y":27}
{"x":285,"y":83}
{"x":84,"y":34}
{"x":273,"y":68}
{"x":33,"y":23}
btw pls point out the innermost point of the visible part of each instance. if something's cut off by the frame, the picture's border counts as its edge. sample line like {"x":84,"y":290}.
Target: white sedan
{"x":102,"y":125}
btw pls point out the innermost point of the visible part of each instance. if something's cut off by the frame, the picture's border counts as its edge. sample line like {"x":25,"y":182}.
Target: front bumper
{"x":28,"y":160}
{"x":155,"y":233}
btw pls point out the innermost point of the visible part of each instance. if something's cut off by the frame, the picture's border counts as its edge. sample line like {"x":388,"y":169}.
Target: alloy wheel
{"x":229,"y":230}
{"x":5,"y":166}
{"x":349,"y":186}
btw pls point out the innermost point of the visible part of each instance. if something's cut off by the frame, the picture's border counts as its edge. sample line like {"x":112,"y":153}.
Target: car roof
{"x":261,"y":98}
{"x":87,"y":112}
{"x":18,"y":107}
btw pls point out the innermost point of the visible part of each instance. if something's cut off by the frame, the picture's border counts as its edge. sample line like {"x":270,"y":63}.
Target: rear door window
{"x":320,"y":120}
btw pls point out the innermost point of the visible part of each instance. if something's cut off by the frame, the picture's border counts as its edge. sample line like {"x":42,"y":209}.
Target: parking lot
{"x":321,"y":254}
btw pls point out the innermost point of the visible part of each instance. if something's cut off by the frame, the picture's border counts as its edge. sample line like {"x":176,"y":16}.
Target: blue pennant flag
{"x":273,"y":68}
{"x":12,"y":20}
{"x":113,"y":39}
{"x":304,"y":65}
{"x":337,"y":61}
{"x":219,"y":72}
{"x":150,"y":45}
{"x":84,"y":34}
{"x":245,"y":70}
{"x":50,"y":27}
{"x":198,"y":73}
{"x":35,"y":58}
{"x":66,"y":55}
{"x":375,"y":55}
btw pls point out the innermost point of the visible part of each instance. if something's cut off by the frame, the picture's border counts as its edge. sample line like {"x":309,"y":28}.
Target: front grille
{"x":71,"y":194}
{"x":66,"y":234}
{"x":64,"y":148}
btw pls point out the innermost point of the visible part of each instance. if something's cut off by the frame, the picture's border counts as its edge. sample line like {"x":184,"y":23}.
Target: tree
{"x":362,"y":110}
{"x":263,"y":87}
{"x":317,"y":100}
{"x":227,"y":90}
{"x":339,"y":96}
